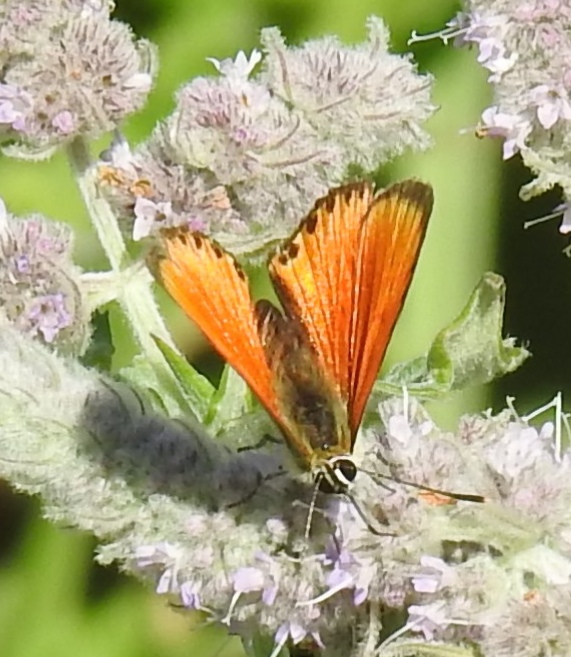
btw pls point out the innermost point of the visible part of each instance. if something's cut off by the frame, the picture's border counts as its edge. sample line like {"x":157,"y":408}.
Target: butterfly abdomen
{"x":316,"y":417}
{"x":310,"y":411}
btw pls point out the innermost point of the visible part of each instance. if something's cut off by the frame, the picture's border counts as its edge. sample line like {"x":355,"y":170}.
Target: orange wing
{"x":314,"y":276}
{"x":345,"y":274}
{"x":213,"y":290}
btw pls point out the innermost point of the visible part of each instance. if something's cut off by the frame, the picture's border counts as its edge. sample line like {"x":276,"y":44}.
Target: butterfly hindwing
{"x":213,"y":290}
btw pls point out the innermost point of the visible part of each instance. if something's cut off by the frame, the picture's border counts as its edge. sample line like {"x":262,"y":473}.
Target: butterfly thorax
{"x":315,"y":416}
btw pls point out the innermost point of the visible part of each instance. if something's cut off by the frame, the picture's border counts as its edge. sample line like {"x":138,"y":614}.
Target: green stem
{"x":133,"y":283}
{"x":100,"y":212}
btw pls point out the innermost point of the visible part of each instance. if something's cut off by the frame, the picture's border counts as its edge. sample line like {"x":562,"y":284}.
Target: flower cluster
{"x":67,"y":70}
{"x":244,"y":154}
{"x":526,"y":46}
{"x":223,"y":533}
{"x":39,"y":289}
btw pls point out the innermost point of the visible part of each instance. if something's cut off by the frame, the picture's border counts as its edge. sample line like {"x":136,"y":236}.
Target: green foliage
{"x":100,"y":352}
{"x":470,"y":351}
{"x":196,"y":388}
{"x":45,"y":607}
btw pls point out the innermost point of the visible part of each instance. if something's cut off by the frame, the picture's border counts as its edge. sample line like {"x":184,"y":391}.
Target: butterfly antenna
{"x":311,"y":508}
{"x":463,"y":497}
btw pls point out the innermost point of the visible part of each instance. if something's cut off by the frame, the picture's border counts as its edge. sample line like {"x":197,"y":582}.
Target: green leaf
{"x":196,"y":388}
{"x":468,"y":352}
{"x":232,"y":400}
{"x":142,"y":376}
{"x":99,"y":354}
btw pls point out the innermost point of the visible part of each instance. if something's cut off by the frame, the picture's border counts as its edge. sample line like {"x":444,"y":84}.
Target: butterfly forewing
{"x":389,"y":244}
{"x":313,"y":274}
{"x":213,"y":290}
{"x":344,"y":276}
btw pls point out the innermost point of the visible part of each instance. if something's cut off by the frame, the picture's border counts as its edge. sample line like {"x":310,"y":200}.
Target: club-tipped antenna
{"x":462,"y":497}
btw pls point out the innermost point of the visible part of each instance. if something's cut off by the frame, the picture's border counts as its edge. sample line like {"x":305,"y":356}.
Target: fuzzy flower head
{"x":39,"y":290}
{"x":150,"y":195}
{"x":526,"y":47}
{"x":275,"y":132}
{"x":453,"y":569}
{"x":68,"y":70}
{"x":366,"y":101}
{"x":396,"y":566}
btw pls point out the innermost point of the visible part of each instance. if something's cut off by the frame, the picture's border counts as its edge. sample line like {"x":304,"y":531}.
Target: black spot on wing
{"x":311,"y":222}
{"x":239,"y":270}
{"x":292,"y":250}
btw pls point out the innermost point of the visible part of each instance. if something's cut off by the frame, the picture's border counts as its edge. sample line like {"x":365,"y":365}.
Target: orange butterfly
{"x":341,"y":278}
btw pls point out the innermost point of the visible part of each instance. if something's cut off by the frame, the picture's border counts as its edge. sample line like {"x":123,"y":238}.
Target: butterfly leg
{"x":260,"y":480}
{"x":264,"y":440}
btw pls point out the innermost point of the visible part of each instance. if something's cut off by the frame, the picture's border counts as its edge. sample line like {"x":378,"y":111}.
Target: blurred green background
{"x":53,"y":600}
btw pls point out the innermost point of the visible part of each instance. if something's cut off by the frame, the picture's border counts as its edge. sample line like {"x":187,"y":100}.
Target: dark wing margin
{"x":390,"y":239}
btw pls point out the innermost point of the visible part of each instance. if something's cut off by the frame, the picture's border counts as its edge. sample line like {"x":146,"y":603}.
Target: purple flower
{"x":239,"y":68}
{"x":429,"y":619}
{"x":552,"y":104}
{"x":517,"y":450}
{"x":515,"y":129}
{"x":296,"y":632}
{"x":15,"y":105}
{"x":64,"y":122}
{"x":190,"y":595}
{"x":167,"y":557}
{"x":48,"y":315}
{"x":489,"y":32}
{"x":22,"y":263}
{"x":149,"y":215}
{"x":436,"y":574}
{"x":252,"y":580}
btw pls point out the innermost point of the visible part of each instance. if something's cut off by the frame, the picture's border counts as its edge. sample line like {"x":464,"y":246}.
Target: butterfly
{"x":341,"y":280}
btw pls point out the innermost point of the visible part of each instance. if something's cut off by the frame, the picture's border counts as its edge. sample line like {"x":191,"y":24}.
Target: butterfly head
{"x":335,"y":474}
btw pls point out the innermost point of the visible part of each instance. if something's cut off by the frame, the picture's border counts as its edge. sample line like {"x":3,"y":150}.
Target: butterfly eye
{"x":345,"y":470}
{"x":336,"y":475}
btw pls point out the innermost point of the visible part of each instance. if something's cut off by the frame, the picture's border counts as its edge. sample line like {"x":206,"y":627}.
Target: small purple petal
{"x":49,"y":316}
{"x":360,"y":596}
{"x":269,"y":594}
{"x":22,"y":263}
{"x":166,"y":581}
{"x":15,"y":103}
{"x":196,"y":223}
{"x":248,"y":579}
{"x":64,"y":122}
{"x":315,"y":636}
{"x":282,"y":634}
{"x":189,"y":593}
{"x":340,"y":579}
{"x":297,"y":632}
